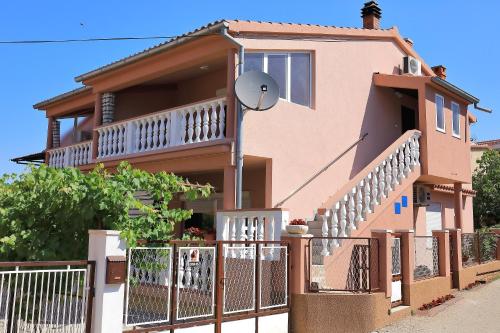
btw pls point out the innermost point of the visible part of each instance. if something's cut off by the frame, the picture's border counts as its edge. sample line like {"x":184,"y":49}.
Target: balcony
{"x":155,"y":132}
{"x":70,"y":156}
{"x":200,"y":122}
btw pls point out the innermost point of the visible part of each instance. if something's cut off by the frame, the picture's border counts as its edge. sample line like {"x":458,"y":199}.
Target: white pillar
{"x":107,"y":314}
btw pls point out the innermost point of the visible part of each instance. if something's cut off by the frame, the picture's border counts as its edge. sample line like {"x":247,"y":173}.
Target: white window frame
{"x":456,"y":135}
{"x":437,"y":110}
{"x":288,"y":80}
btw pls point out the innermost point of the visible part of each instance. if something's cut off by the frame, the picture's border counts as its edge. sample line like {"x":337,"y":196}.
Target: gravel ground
{"x":476,"y":310}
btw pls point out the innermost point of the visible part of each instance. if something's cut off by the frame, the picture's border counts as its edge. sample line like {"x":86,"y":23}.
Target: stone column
{"x":456,"y":259}
{"x":229,"y":190}
{"x":108,"y":107}
{"x":407,"y":260}
{"x":299,"y":245}
{"x":97,"y":123}
{"x":458,"y":207}
{"x":443,"y":251}
{"x":56,"y":133}
{"x":107,"y":314}
{"x":384,"y":238}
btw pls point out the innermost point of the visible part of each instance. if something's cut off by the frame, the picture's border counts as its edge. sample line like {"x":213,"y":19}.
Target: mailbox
{"x":116,"y":269}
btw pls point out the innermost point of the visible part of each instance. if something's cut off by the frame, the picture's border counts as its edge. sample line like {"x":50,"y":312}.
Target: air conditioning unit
{"x":412,"y":66}
{"x":421,"y":195}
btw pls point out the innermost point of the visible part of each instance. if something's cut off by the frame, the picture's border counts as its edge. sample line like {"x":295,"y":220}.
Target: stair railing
{"x":358,"y":198}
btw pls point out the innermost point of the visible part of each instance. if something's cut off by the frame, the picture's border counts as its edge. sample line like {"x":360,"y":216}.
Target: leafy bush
{"x":486,"y":181}
{"x":45,"y":213}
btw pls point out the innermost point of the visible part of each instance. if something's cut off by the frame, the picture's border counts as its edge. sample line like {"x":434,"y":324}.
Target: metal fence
{"x":181,"y":284}
{"x":342,"y":264}
{"x":46,"y":296}
{"x":478,"y":248}
{"x":426,"y":263}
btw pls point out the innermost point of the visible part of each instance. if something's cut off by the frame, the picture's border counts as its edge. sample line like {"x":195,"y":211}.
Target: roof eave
{"x":42,"y":106}
{"x":456,"y":90}
{"x":155,"y":50}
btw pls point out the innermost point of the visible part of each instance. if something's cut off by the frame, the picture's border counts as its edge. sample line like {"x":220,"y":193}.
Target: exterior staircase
{"x":351,"y":210}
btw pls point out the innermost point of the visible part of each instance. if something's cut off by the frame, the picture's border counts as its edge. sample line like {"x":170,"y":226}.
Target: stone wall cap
{"x":438,"y":231}
{"x":104,"y":232}
{"x":297,"y":235}
{"x":404,"y":230}
{"x":385,"y":231}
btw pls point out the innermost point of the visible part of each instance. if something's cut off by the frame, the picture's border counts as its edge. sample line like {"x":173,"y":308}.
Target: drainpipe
{"x":239,"y":122}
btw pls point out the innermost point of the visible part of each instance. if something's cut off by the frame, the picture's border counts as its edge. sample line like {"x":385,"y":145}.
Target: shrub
{"x":45,"y":213}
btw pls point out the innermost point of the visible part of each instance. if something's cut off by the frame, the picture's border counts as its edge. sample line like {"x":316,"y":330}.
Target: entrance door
{"x":397,"y":276}
{"x":407,"y":119}
{"x":433,"y":218}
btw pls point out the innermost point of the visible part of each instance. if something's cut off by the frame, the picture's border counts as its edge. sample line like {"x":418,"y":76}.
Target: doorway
{"x":433,"y":218}
{"x":408,"y":119}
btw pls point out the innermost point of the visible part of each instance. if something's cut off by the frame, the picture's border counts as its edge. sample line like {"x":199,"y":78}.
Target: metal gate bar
{"x":30,"y":289}
{"x":219,"y":283}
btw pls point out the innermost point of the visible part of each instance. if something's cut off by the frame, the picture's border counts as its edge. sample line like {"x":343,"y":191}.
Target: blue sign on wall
{"x":397,"y":208}
{"x":404,"y":201}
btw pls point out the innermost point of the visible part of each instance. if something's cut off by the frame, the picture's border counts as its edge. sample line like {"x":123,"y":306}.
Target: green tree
{"x":486,"y":181}
{"x":45,"y":213}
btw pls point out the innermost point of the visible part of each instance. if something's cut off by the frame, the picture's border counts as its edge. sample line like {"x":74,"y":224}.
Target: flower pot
{"x":297,"y":229}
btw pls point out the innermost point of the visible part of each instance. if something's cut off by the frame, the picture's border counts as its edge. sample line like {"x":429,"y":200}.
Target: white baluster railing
{"x":259,"y":225}
{"x":359,"y":197}
{"x":71,"y":156}
{"x":201,"y":122}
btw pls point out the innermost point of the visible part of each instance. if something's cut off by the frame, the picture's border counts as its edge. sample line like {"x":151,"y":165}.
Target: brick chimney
{"x":371,"y":14}
{"x":440,"y":71}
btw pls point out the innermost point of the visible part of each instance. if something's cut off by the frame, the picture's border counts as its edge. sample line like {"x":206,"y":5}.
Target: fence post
{"x":478,"y":243}
{"x":496,"y":231}
{"x":456,"y":259}
{"x":107,"y":314}
{"x":443,"y":251}
{"x":299,"y":273}
{"x":407,"y":261}
{"x":384,"y":238}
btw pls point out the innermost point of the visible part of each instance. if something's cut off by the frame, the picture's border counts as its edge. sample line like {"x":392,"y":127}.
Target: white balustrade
{"x":369,"y":188}
{"x":243,"y":225}
{"x":201,"y":122}
{"x":71,"y":156}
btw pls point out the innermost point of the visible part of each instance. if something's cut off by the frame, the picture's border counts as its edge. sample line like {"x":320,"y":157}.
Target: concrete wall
{"x":353,"y":313}
{"x":424,"y":291}
{"x":470,"y":275}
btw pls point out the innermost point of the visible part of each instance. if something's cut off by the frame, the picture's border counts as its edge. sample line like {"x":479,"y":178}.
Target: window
{"x":440,"y":113}
{"x":292,"y":72}
{"x":455,"y":119}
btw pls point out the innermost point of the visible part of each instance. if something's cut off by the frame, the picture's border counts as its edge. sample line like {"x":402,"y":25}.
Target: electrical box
{"x":116,"y":269}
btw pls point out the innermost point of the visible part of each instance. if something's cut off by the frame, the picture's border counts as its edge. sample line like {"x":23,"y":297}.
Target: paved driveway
{"x":476,"y":310}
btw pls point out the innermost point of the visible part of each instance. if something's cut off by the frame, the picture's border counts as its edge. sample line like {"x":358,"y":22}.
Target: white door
{"x":433,"y":218}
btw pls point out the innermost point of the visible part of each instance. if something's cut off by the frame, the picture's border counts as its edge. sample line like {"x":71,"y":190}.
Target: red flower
{"x":298,"y":222}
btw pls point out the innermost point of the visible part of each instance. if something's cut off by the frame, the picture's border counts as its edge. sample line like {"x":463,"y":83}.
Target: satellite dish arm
{"x":239,"y":121}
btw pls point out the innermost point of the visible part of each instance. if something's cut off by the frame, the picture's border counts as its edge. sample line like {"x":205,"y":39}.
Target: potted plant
{"x":297,"y":227}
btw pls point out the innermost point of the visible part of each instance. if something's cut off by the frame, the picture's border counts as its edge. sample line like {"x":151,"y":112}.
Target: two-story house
{"x":172,"y":108}
{"x":365,"y":136}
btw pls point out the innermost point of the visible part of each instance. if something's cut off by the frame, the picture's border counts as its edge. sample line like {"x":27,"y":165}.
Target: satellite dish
{"x":257,"y":90}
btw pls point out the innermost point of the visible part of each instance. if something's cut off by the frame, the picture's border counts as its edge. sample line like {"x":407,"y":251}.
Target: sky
{"x":460,"y":34}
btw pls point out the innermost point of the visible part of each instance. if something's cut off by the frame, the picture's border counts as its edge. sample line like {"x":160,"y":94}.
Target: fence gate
{"x":223,"y":286}
{"x":397,"y":289}
{"x":51,"y":297}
